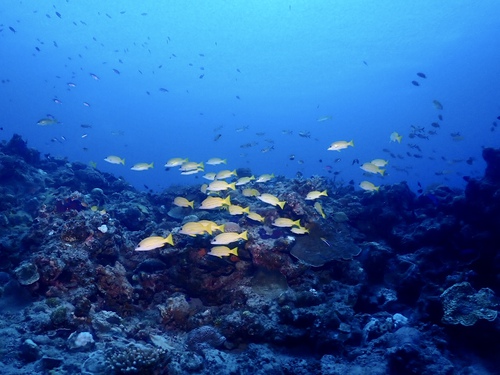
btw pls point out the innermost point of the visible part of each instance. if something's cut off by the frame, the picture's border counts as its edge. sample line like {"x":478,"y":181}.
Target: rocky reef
{"x":388,"y":282}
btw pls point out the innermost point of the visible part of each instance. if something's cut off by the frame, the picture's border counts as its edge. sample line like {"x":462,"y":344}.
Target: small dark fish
{"x":217,"y":137}
{"x":86,"y":126}
{"x":435,"y":125}
{"x":355,"y":161}
{"x":291,"y":157}
{"x":55,"y":44}
{"x":440,"y":117}
{"x":337,"y":160}
{"x":421,"y":75}
{"x":201,"y":55}
{"x":415,"y":83}
{"x":364,"y":62}
{"x":144,"y":14}
{"x":38,"y":49}
{"x":12,"y":29}
{"x":58,"y":14}
{"x":163,"y":89}
{"x":116,"y":71}
{"x":470,"y":160}
{"x":201,"y":76}
{"x":238,"y":70}
{"x":237,"y":97}
{"x":320,"y":160}
{"x":418,"y":156}
{"x":86,"y":104}
{"x":420,"y":191}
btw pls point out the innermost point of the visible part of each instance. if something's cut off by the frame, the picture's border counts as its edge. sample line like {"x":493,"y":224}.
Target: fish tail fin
{"x":232,"y":186}
{"x":325,"y":193}
{"x":191,"y":204}
{"x":281,"y":204}
{"x":244,"y":235}
{"x":122,"y":161}
{"x":246,"y":210}
{"x":170,"y":239}
{"x":351,"y":143}
{"x":221,"y":227}
{"x":234,"y":251}
{"x":151,"y":165}
{"x":227,"y":201}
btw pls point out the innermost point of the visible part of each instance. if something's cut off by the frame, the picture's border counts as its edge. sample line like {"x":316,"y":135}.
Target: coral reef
{"x":385,"y":283}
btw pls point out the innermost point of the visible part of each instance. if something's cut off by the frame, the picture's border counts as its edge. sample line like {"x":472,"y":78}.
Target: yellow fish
{"x":284,"y":222}
{"x":299,"y":230}
{"x":191,"y":165}
{"x":219,"y":185}
{"x":250,"y":192}
{"x":225,"y":174}
{"x":175,"y":162}
{"x":372,"y":168}
{"x":395,"y":137}
{"x":340,"y":145}
{"x":210,"y":176}
{"x":265,"y":177}
{"x":194,"y":228}
{"x":215,"y":202}
{"x":229,"y":237}
{"x":319,"y":209}
{"x":244,"y":180}
{"x":154,"y":242}
{"x":255,"y":216}
{"x":222,"y":251}
{"x":316,"y":194}
{"x":142,"y":166}
{"x":114,"y":160}
{"x":238,"y":210}
{"x":212,"y":225}
{"x":216,"y":161}
{"x":368,"y":186}
{"x":183,"y":202}
{"x":379,"y":162}
{"x":271,"y":199}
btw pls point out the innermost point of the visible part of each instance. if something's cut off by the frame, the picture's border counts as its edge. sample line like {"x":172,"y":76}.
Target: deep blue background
{"x":289,"y":62}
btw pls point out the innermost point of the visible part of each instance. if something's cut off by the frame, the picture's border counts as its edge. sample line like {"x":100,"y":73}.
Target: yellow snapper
{"x":319,"y":209}
{"x":216,"y":161}
{"x":195,"y":228}
{"x":222,"y":251}
{"x":265,"y":177}
{"x":244,"y":180}
{"x":395,"y":137}
{"x":379,"y":162}
{"x":191,"y":165}
{"x":255,"y":216}
{"x":368,"y":186}
{"x":215,"y":202}
{"x":192,"y":171}
{"x":210,"y":176}
{"x":372,"y":168}
{"x":142,"y":166}
{"x":225,"y":174}
{"x":284,"y":222}
{"x":250,"y":192}
{"x":340,"y":145}
{"x":218,"y":185}
{"x":115,"y":160}
{"x":183,"y":202}
{"x":299,"y":230}
{"x":316,"y":194}
{"x":175,"y":162}
{"x":238,"y":210}
{"x":154,"y":242}
{"x":212,"y":225}
{"x":229,"y":237}
{"x":271,"y":199}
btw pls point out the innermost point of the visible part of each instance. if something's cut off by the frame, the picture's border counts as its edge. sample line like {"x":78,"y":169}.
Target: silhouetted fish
{"x":422,"y":75}
{"x":415,"y":83}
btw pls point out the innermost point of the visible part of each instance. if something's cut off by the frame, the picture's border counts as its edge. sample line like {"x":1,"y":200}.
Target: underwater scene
{"x":250,"y":187}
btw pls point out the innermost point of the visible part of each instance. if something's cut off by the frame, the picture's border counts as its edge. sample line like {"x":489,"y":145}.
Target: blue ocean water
{"x":248,"y":81}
